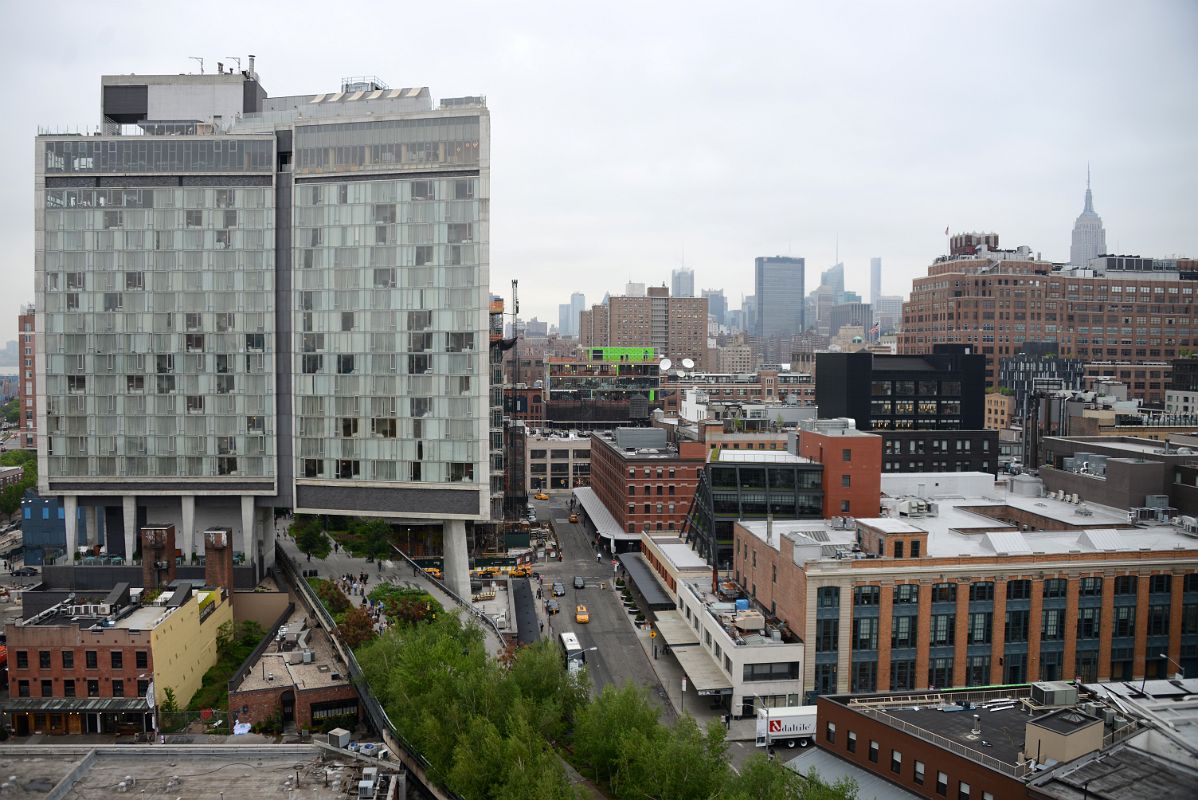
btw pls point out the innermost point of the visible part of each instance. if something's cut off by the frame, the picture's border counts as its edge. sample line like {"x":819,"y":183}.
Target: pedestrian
{"x":336,"y":547}
{"x":598,"y":557}
{"x":309,"y":556}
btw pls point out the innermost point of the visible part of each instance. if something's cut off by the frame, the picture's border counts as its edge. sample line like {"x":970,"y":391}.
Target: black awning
{"x":646,"y":583}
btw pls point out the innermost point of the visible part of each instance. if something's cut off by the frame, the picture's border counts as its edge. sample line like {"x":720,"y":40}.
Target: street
{"x":619,"y":655}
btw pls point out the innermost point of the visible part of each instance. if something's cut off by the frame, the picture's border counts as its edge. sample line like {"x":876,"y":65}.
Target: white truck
{"x":790,"y":726}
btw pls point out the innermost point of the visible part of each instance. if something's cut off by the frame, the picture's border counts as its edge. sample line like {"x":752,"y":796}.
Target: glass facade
{"x":158,"y":311}
{"x":390,"y":345}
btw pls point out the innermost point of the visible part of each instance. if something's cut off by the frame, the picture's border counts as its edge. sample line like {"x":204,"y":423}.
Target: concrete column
{"x":70,"y":507}
{"x":269,"y":534}
{"x":457,"y":558}
{"x":93,"y":529}
{"x":247,"y":529}
{"x":129,"y":519}
{"x":187,"y":538}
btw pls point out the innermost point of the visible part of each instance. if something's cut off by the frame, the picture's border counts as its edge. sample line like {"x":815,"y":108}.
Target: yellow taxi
{"x":581,"y":614}
{"x":540,"y":496}
{"x":434,"y":572}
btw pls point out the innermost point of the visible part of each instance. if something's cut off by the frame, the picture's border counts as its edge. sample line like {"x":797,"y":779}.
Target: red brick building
{"x":27,"y":323}
{"x":852,"y":462}
{"x":645,"y":483}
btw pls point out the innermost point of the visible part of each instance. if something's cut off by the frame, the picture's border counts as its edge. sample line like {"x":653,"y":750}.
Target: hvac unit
{"x":1054,"y":693}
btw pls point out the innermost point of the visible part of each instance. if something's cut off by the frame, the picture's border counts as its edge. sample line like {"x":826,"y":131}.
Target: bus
{"x":575,"y":657}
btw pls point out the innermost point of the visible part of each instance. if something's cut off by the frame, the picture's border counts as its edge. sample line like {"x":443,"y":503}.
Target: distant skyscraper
{"x":779,"y":288}
{"x":634,"y":289}
{"x":717,"y":305}
{"x":578,"y":302}
{"x":682,"y":283}
{"x":563,"y":320}
{"x":875,"y":282}
{"x":1089,"y":237}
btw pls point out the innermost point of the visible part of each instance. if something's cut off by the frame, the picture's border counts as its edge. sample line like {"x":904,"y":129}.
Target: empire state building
{"x":1089,"y":237}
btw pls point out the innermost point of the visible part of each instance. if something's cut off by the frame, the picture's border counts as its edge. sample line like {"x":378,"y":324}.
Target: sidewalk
{"x":342,"y":563}
{"x":670,"y":673}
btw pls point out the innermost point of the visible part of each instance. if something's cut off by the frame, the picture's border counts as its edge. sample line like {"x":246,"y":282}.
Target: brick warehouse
{"x":976,"y":591}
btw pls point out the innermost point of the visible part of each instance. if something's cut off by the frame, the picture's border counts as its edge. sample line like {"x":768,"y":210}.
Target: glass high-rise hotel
{"x":252,"y":303}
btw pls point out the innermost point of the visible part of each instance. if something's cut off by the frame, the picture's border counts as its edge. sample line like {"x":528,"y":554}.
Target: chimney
{"x":251,"y":69}
{"x":218,"y":559}
{"x":769,"y":528}
{"x":157,"y":556}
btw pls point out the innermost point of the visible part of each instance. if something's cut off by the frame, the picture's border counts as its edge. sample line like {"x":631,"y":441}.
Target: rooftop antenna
{"x":237,"y":59}
{"x":197,"y":58}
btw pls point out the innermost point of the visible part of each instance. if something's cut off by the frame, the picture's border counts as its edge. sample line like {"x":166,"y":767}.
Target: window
{"x":981,"y":592}
{"x":1125,"y":584}
{"x":944,"y":593}
{"x":846,"y":455}
{"x":1160,"y":584}
{"x":68,"y":688}
{"x":47,"y":688}
{"x":118,"y":659}
{"x":1019,"y":590}
{"x":143,"y":686}
{"x":1052,"y":625}
{"x":828,"y":597}
{"x":1091,"y":587}
{"x":68,"y":659}
{"x":943,"y":631}
{"x":141,"y":660}
{"x":1125,"y":621}
{"x":919,"y":773}
{"x":979,"y":627}
{"x":873,"y":751}
{"x":43,"y":659}
{"x":1088,"y":623}
{"x":118,"y":688}
{"x":91,"y":661}
{"x":942,"y":784}
{"x":906,"y":594}
{"x":896,"y":762}
{"x":866,"y":596}
{"x":22,"y":688}
{"x":1017,"y":625}
{"x":846,"y":481}
{"x":22,"y":659}
{"x":851,"y":742}
{"x":963,"y":790}
{"x":830,"y":733}
{"x":898,"y":549}
{"x":93,"y":688}
{"x":1055,"y":587}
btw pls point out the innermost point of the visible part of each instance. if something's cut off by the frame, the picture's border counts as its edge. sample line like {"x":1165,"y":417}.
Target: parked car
{"x":574,"y":518}
{"x":559,"y":589}
{"x":552,"y":606}
{"x":25,"y":572}
{"x":579,"y":583}
{"x":581,"y":615}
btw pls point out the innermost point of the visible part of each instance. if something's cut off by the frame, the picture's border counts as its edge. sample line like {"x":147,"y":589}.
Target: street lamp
{"x":1180,"y":669}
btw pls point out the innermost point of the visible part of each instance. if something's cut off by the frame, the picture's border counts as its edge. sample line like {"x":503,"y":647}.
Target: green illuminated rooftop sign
{"x":618,"y":354}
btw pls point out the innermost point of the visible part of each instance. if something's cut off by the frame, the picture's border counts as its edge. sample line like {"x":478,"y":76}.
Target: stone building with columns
{"x":249,"y":303}
{"x":965,"y":584}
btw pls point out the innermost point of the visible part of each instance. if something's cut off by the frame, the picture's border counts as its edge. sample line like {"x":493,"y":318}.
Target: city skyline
{"x":672,"y":179}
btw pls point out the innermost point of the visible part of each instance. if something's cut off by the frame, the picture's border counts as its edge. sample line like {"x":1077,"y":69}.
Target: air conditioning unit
{"x":1054,"y":693}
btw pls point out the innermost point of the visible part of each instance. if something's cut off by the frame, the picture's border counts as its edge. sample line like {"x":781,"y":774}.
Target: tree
{"x":673,"y":763}
{"x":309,"y":537}
{"x":374,"y":537}
{"x":614,"y":714}
{"x":357,"y":629}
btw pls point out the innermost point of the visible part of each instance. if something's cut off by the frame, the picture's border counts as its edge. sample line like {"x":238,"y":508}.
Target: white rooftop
{"x":956,"y":530}
{"x":682,"y":556}
{"x":754,"y":456}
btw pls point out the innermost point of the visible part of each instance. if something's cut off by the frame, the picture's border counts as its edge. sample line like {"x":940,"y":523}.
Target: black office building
{"x":929,"y":409}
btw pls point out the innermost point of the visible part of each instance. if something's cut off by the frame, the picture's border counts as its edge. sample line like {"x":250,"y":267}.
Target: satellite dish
{"x":665,"y":365}
{"x":688,"y":363}
{"x":679,"y":373}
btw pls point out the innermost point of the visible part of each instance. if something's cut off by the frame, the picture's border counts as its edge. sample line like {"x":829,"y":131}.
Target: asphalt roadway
{"x":617,"y":655}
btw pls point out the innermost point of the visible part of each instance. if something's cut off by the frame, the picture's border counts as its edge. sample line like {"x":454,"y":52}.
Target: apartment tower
{"x":260,"y":303}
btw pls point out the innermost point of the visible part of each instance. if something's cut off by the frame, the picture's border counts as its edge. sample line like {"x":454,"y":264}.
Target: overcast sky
{"x":629,"y":136}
